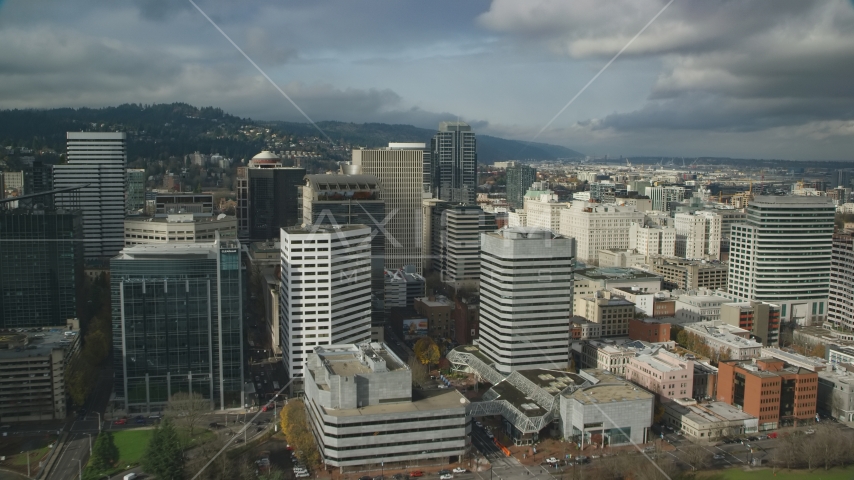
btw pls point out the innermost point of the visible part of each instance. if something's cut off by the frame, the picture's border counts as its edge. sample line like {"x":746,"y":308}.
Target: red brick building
{"x":649,"y":330}
{"x":776,"y":393}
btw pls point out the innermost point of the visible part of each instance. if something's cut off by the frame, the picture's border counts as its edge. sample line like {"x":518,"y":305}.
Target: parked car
{"x":489,"y":434}
{"x":302,"y":475}
{"x":365,"y":477}
{"x":479,"y":425}
{"x":446,"y":476}
{"x":416,"y":473}
{"x":121,"y":421}
{"x":459,"y":470}
{"x":718,"y":456}
{"x":400,"y":476}
{"x":551,"y":460}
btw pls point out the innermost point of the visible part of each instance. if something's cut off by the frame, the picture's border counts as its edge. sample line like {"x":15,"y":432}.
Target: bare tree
{"x":696,"y":456}
{"x":188,"y":409}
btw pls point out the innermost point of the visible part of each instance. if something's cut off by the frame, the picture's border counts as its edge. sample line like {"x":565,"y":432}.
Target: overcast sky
{"x":759,"y":79}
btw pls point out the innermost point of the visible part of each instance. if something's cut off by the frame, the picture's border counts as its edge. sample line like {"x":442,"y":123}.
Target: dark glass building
{"x":41,"y":261}
{"x":453,"y":164}
{"x":519,"y":180}
{"x":177,"y":324}
{"x":273,"y":200}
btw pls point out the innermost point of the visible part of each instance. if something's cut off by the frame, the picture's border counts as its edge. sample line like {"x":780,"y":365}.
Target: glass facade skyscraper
{"x":177,"y":324}
{"x":453,"y":163}
{"x":41,"y":262}
{"x":519,"y":180}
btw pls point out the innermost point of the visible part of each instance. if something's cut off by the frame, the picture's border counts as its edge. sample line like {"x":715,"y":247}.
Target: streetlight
{"x":79,"y":467}
{"x":28,"y":463}
{"x":90,"y":443}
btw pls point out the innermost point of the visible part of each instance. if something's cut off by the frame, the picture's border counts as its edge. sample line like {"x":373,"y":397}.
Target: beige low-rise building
{"x":708,"y":421}
{"x":32,"y":372}
{"x":611,"y":311}
{"x":178,"y":228}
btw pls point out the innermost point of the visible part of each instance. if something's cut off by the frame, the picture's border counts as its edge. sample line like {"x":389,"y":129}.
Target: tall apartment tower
{"x":325,"y":296}
{"x":781,"y":254}
{"x":519,"y":180}
{"x":526,"y":298}
{"x":135,"y":199}
{"x":456,"y":249}
{"x":177,"y":324}
{"x":400,"y":169}
{"x":453,"y":162}
{"x":840,"y":307}
{"x":698,"y":235}
{"x":267,"y":197}
{"x":96,"y":160}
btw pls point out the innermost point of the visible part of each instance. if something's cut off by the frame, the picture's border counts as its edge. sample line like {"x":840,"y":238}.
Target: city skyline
{"x":700,"y":80}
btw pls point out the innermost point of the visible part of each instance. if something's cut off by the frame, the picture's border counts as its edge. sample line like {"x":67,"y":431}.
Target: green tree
{"x":426,"y":351}
{"x":104,"y":455}
{"x":163,"y":456}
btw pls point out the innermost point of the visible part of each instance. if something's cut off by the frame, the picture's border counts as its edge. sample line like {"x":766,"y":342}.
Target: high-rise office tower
{"x":267,"y":197}
{"x":663,"y":197}
{"x":135,"y":200}
{"x":456,"y":249}
{"x":399,"y":168}
{"x":177,"y":324}
{"x":519,"y":180}
{"x":525,"y":298}
{"x":652,"y":240}
{"x":325,"y":296}
{"x":40,"y":177}
{"x":598,"y":227}
{"x":431,"y":209}
{"x":96,"y":160}
{"x":781,"y":254}
{"x":453,"y":163}
{"x":698,"y":235}
{"x":334,"y":200}
{"x":840,"y":307}
{"x":41,"y":260}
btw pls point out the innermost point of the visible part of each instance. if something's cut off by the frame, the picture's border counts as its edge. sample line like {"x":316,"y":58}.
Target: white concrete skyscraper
{"x":781,"y":254}
{"x":525,"y":298}
{"x":325,"y":295}
{"x":453,"y":163}
{"x":400,"y":170}
{"x":97,"y":160}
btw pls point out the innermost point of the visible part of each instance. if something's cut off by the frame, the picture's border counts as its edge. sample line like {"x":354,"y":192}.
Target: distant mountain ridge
{"x":372,"y":135}
{"x":179,"y":128}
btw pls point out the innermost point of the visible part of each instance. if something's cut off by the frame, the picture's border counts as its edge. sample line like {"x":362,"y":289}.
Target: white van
{"x":130,"y":476}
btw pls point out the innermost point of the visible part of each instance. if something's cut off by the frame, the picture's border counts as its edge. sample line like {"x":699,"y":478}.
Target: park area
{"x":16,"y":450}
{"x":837,"y":473}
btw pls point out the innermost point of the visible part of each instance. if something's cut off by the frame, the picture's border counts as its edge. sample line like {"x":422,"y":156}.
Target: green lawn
{"x":35,"y":456}
{"x":846,"y":473}
{"x":131,"y":445}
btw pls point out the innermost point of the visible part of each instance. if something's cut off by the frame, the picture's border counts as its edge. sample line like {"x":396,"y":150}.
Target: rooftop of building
{"x":523,"y":403}
{"x":436,"y":301}
{"x":552,"y":381}
{"x":711,"y":412}
{"x":35,"y":342}
{"x":197,"y":250}
{"x":826,"y":336}
{"x":422,"y":401}
{"x":753,"y":367}
{"x":269,"y":246}
{"x":789,"y":200}
{"x":337,"y":181}
{"x":615,"y":301}
{"x":177,"y":218}
{"x":405,"y":274}
{"x":724,"y":333}
{"x":793,"y":358}
{"x":659,"y":361}
{"x":348,"y":360}
{"x":323,"y":229}
{"x":614,"y":273}
{"x":619,"y":391}
{"x":524,"y":233}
